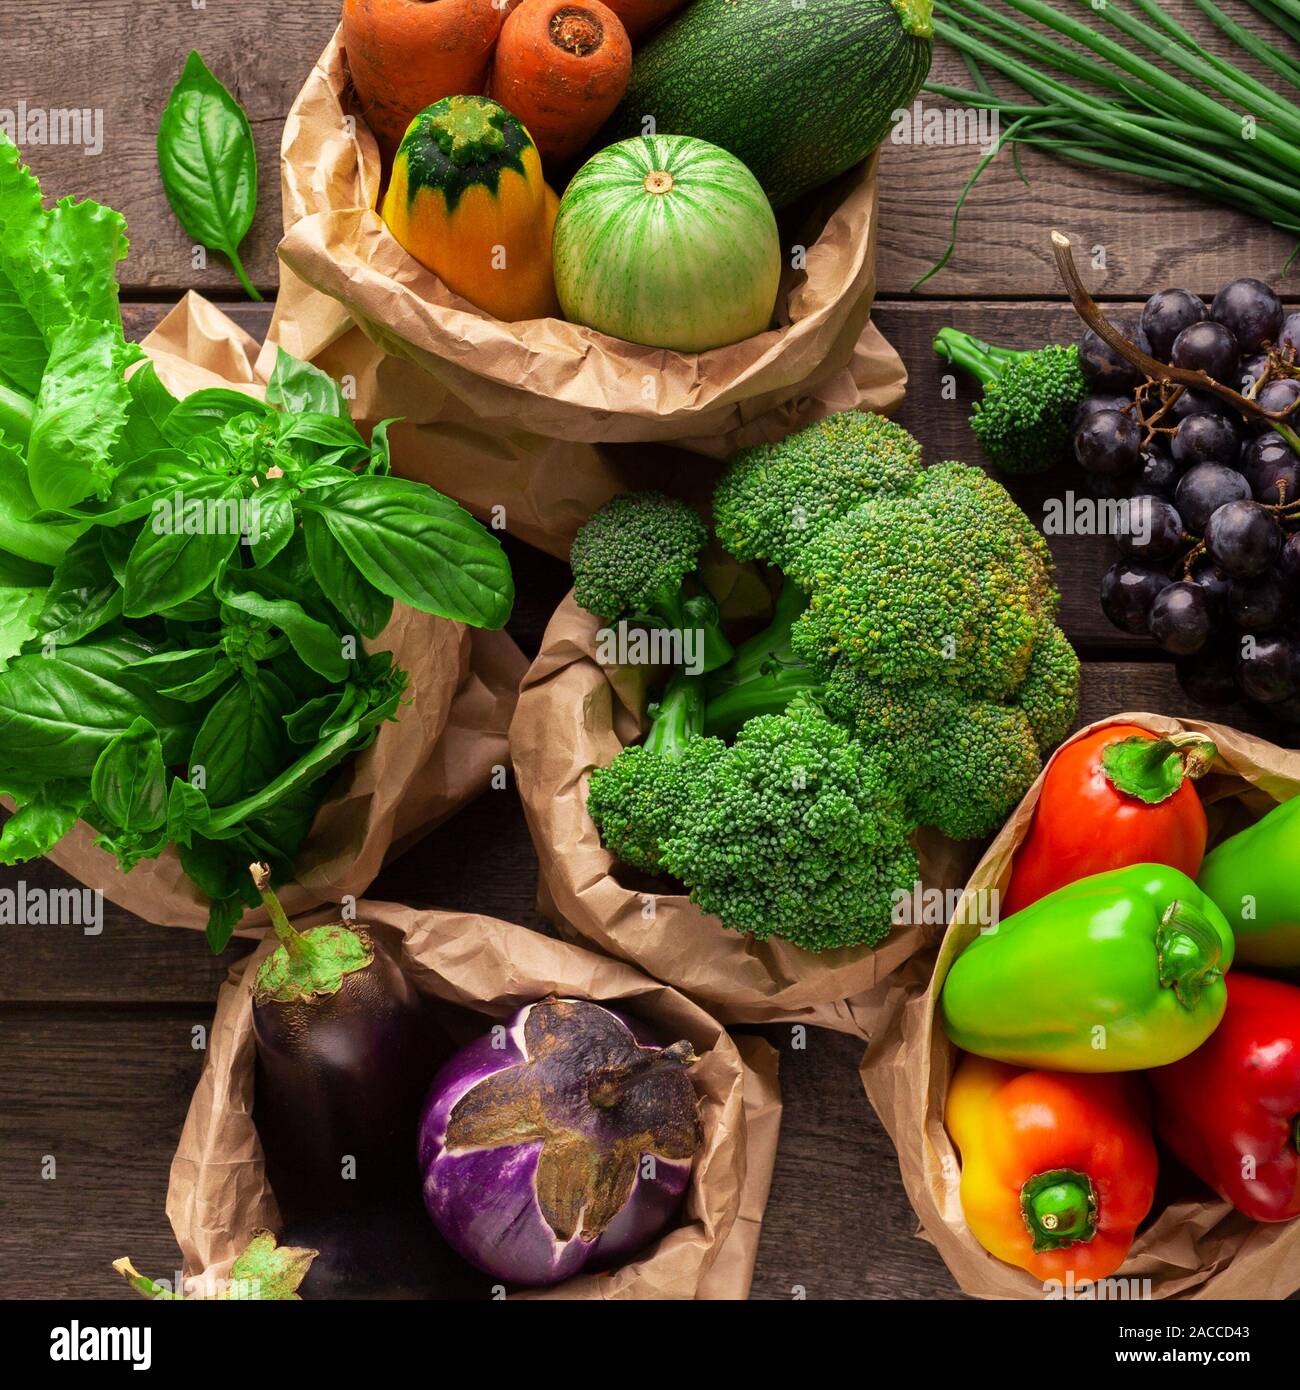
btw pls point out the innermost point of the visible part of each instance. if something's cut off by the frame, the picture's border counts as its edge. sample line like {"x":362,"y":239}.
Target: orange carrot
{"x":561,"y":67}
{"x":640,"y":16}
{"x":406,"y":54}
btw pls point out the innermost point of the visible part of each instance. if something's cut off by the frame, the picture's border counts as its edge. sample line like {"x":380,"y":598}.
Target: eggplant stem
{"x":609,"y":1084}
{"x":1086,"y":307}
{"x":284,"y":928}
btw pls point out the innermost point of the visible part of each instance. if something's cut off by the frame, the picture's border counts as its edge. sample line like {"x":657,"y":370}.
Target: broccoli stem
{"x":984,"y":361}
{"x":15,"y":416}
{"x":679,"y":612}
{"x":677,"y":718}
{"x":765,"y":674}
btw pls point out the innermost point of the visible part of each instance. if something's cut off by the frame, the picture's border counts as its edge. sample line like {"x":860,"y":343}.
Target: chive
{"x":1290,"y":27}
{"x":1180,"y":120}
{"x":1256,"y":47}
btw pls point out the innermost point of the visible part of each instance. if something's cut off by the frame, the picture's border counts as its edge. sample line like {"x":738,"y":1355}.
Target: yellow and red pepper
{"x":1058,"y":1170}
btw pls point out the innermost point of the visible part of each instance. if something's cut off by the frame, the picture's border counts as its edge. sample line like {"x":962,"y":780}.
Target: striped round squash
{"x":668,"y":241}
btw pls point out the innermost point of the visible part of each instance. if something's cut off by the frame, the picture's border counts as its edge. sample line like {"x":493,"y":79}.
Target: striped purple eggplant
{"x":561,"y":1141}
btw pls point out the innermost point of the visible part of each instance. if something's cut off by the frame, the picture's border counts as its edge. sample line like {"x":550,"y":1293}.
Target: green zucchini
{"x":799,"y":90}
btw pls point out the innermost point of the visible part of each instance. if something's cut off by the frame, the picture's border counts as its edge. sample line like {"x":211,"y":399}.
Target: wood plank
{"x":122,"y":56}
{"x":838,"y":1223}
{"x":105,"y":1095}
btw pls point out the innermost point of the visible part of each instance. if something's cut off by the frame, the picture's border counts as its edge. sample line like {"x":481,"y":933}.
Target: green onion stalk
{"x":1152,"y":102}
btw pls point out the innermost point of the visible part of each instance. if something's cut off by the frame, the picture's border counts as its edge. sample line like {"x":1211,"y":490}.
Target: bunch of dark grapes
{"x":1210,"y":539}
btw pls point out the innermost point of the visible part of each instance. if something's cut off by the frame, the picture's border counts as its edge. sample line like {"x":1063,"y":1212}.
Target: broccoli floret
{"x":963,"y":763}
{"x":774,"y":498}
{"x":944,"y":585}
{"x":634,"y":559}
{"x":1024,"y":419}
{"x":637,"y":800}
{"x":1049,"y":695}
{"x":795,"y":831}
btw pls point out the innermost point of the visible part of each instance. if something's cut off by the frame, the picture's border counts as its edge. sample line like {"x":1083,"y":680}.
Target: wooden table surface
{"x":96,"y":1061}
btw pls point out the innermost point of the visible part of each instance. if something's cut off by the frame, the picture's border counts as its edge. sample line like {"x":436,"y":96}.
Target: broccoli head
{"x":774,"y":498}
{"x":634,"y":559}
{"x":1024,"y":419}
{"x":638,"y":799}
{"x":795,"y":831}
{"x":1049,"y":694}
{"x":962,"y":763}
{"x":945,"y":585}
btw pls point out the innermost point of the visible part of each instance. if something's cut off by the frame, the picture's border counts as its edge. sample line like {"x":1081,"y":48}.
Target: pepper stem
{"x":1188,"y":950}
{"x":289,"y":936}
{"x":609,"y":1084}
{"x":1153,"y":769}
{"x":1060,"y":1208}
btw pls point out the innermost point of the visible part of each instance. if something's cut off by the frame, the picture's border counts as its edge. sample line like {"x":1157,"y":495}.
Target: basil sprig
{"x":188,"y":588}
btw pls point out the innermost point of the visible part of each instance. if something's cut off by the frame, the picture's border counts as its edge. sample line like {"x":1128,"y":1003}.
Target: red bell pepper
{"x":1114,"y":797}
{"x":1231,"y":1110}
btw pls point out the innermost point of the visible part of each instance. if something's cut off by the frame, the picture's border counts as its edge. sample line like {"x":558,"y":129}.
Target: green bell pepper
{"x":1254,"y":879}
{"x":1117,"y":972}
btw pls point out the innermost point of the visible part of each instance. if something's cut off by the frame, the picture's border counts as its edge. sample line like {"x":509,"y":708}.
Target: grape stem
{"x":1086,"y":307}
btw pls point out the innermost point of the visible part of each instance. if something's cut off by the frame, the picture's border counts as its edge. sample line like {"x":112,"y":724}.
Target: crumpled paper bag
{"x":575,"y":714}
{"x":438,"y":755}
{"x":515,"y":415}
{"x":1193,"y":1249}
{"x":218,"y":1193}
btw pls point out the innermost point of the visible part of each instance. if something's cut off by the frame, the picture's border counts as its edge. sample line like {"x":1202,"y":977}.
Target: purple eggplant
{"x":345,"y":1048}
{"x":561,"y":1141}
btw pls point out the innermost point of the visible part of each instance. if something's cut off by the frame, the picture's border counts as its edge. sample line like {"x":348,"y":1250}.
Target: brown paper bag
{"x":512,"y":415}
{"x":575,"y":714}
{"x":218,"y":1193}
{"x":1193,"y":1249}
{"x":439,"y":754}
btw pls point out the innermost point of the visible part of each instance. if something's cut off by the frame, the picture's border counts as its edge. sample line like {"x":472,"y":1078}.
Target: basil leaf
{"x":146,"y":415}
{"x":83,"y":596}
{"x":332,"y":431}
{"x":316,"y":644}
{"x":242,"y":743}
{"x":419,"y":547}
{"x":188,"y":675}
{"x":209,"y":164}
{"x":35,"y":828}
{"x":170,"y":562}
{"x":155,"y":477}
{"x":380,"y":452}
{"x":298,"y":388}
{"x":80,"y":414}
{"x":129,"y":783}
{"x":306,"y":770}
{"x":223,"y":917}
{"x":187,"y":811}
{"x":363,"y":607}
{"x":274,"y":522}
{"x":18,"y":573}
{"x":206,"y":411}
{"x":58,"y":717}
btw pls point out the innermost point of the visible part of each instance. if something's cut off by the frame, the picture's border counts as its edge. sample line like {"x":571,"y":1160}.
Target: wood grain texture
{"x":123,"y":56}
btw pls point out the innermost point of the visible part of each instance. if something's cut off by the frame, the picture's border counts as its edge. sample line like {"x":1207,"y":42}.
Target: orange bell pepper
{"x":1057,"y":1169}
